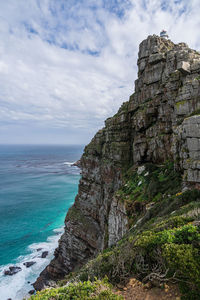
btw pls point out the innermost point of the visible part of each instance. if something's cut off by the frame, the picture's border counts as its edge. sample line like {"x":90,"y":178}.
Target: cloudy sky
{"x":67,"y":65}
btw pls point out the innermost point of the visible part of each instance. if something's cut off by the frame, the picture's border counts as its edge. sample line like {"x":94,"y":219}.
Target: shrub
{"x":87,"y":290}
{"x":189,"y":196}
{"x":184,"y":261}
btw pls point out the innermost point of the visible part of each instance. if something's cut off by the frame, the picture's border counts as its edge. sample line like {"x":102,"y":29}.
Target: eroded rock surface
{"x":160,"y":121}
{"x":187,"y":149}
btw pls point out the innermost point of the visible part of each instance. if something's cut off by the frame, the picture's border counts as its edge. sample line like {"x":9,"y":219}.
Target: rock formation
{"x":160,"y":122}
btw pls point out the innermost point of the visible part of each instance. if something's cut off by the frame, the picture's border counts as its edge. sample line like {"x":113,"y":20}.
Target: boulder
{"x":183,"y":67}
{"x":28,"y":264}
{"x":31,"y":292}
{"x":12,"y":270}
{"x":77,"y":164}
{"x":39,"y":249}
{"x":44,"y":254}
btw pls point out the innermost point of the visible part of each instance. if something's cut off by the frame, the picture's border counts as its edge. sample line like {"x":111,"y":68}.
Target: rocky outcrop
{"x":187,"y":149}
{"x":159,"y":122}
{"x":28,"y":264}
{"x":12,"y":270}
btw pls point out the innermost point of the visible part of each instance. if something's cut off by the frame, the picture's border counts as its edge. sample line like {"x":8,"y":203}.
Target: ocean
{"x":37,"y":186}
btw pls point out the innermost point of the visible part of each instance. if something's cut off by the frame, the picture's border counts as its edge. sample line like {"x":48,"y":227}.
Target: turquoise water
{"x":37,"y":186}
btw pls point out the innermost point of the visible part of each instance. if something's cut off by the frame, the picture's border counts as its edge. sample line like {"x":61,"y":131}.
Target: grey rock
{"x":187,"y":149}
{"x":77,"y":164}
{"x":183,"y":67}
{"x":28,"y":264}
{"x":31,"y":292}
{"x":155,"y":58}
{"x":12,"y":271}
{"x":44,"y":254}
{"x":117,"y":222}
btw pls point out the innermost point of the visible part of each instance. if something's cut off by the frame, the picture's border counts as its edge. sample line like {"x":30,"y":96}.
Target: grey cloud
{"x":45,"y":85}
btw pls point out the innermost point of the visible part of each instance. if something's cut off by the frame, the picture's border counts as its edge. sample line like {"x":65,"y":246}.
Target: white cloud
{"x":47,"y":73}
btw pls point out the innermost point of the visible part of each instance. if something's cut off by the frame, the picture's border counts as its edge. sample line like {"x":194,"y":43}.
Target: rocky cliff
{"x":159,"y":123}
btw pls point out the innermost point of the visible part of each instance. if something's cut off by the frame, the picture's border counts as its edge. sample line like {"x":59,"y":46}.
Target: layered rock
{"x":160,"y":122}
{"x":187,"y":149}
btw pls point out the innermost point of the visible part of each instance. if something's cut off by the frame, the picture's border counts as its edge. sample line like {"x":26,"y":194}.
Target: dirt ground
{"x":135,"y":290}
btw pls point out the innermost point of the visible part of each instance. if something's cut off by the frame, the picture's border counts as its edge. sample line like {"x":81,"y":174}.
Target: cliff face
{"x":160,"y":122}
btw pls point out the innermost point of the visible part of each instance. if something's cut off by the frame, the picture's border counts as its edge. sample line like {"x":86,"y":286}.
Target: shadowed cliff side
{"x":160,"y":122}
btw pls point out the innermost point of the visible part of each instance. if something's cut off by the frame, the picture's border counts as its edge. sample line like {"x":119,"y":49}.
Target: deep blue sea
{"x":37,"y":186}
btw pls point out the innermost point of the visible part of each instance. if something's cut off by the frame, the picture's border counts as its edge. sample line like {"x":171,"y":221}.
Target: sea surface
{"x":37,"y":186}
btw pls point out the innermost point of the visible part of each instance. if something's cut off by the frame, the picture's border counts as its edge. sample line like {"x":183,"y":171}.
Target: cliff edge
{"x":159,"y":123}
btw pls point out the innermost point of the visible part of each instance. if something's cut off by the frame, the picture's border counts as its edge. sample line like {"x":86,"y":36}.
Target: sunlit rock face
{"x":160,"y":122}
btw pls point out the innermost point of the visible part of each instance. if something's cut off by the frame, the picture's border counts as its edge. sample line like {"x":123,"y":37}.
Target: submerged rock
{"x":44,"y":254}
{"x":28,"y":264}
{"x":77,"y":163}
{"x":12,"y":270}
{"x":39,"y":249}
{"x":31,"y":292}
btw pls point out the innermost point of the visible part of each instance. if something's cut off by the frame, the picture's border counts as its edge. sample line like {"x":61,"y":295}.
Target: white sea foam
{"x":16,"y":286}
{"x":59,"y":230}
{"x":68,"y":163}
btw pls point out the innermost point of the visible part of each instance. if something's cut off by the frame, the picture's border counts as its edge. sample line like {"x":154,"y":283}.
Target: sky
{"x":67,"y":65}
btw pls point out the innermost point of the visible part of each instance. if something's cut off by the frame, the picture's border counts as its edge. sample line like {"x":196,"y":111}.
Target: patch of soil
{"x":136,"y":290}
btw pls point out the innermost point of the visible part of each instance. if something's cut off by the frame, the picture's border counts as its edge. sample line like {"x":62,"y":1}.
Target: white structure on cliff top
{"x":164,"y":34}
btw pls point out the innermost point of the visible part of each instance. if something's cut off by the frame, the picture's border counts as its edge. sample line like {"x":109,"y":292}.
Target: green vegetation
{"x":196,"y":112}
{"x":165,"y":244}
{"x":180,"y":103}
{"x":123,"y":108}
{"x":152,"y":181}
{"x":175,"y":75}
{"x":162,"y":244}
{"x":96,"y":290}
{"x":152,"y":185}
